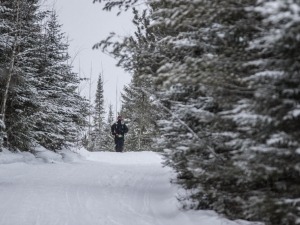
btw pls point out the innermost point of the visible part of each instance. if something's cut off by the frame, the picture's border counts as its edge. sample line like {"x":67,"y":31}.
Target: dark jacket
{"x":118,"y":129}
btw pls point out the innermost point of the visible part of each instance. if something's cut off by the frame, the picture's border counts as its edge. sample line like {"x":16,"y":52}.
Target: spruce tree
{"x":99,"y":105}
{"x":141,"y":115}
{"x":19,"y":57}
{"x":62,"y":111}
{"x":108,"y":140}
{"x":6,"y":26}
{"x":274,"y":164}
{"x":98,"y":133}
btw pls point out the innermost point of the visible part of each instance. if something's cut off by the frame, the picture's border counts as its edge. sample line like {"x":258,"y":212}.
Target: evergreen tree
{"x":5,"y":39}
{"x":62,"y":111}
{"x":99,"y":105}
{"x":110,"y":117}
{"x":98,"y":132}
{"x":204,"y":76}
{"x":274,"y":164}
{"x":19,"y":56}
{"x":141,"y":115}
{"x":108,"y":142}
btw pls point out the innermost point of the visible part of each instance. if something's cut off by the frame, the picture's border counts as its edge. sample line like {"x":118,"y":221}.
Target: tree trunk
{"x":11,"y":67}
{"x":9,"y":75}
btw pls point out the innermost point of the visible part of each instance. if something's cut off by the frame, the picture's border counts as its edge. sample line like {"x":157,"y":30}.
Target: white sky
{"x":85,"y":24}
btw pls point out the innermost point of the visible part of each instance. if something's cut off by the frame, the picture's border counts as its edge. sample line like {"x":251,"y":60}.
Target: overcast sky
{"x":86,"y":24}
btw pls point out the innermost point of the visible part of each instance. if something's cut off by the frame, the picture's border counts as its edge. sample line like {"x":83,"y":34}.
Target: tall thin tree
{"x":12,"y":60}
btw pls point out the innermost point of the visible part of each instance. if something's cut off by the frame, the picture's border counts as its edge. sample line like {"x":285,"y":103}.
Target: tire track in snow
{"x":139,"y":190}
{"x":128,"y":182}
{"x":147,"y":202}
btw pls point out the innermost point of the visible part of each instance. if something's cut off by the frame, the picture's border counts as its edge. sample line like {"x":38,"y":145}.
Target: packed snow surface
{"x":104,"y":188}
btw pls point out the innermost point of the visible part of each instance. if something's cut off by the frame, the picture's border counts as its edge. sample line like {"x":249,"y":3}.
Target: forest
{"x":215,"y":88}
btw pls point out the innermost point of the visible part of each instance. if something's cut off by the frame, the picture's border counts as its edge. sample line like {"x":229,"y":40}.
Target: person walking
{"x":119,"y":129}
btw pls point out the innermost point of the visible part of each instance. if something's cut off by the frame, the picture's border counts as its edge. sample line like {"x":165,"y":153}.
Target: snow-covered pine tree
{"x":108,"y":141}
{"x":221,"y":67}
{"x":5,"y":28}
{"x":98,"y":133}
{"x":254,"y":111}
{"x":62,"y":111}
{"x":274,"y":168}
{"x":99,"y":105}
{"x":140,"y":113}
{"x":22,"y":33}
{"x":10,"y":22}
{"x":110,"y":116}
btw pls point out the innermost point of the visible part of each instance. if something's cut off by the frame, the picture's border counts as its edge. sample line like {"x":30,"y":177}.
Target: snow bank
{"x":46,"y":155}
{"x":43,"y":155}
{"x":7,"y":157}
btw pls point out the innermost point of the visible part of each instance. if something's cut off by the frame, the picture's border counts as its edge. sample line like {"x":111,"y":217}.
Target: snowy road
{"x":105,"y":189}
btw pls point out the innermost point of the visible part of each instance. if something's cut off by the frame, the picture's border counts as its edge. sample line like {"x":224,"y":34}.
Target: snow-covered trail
{"x":105,"y":189}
